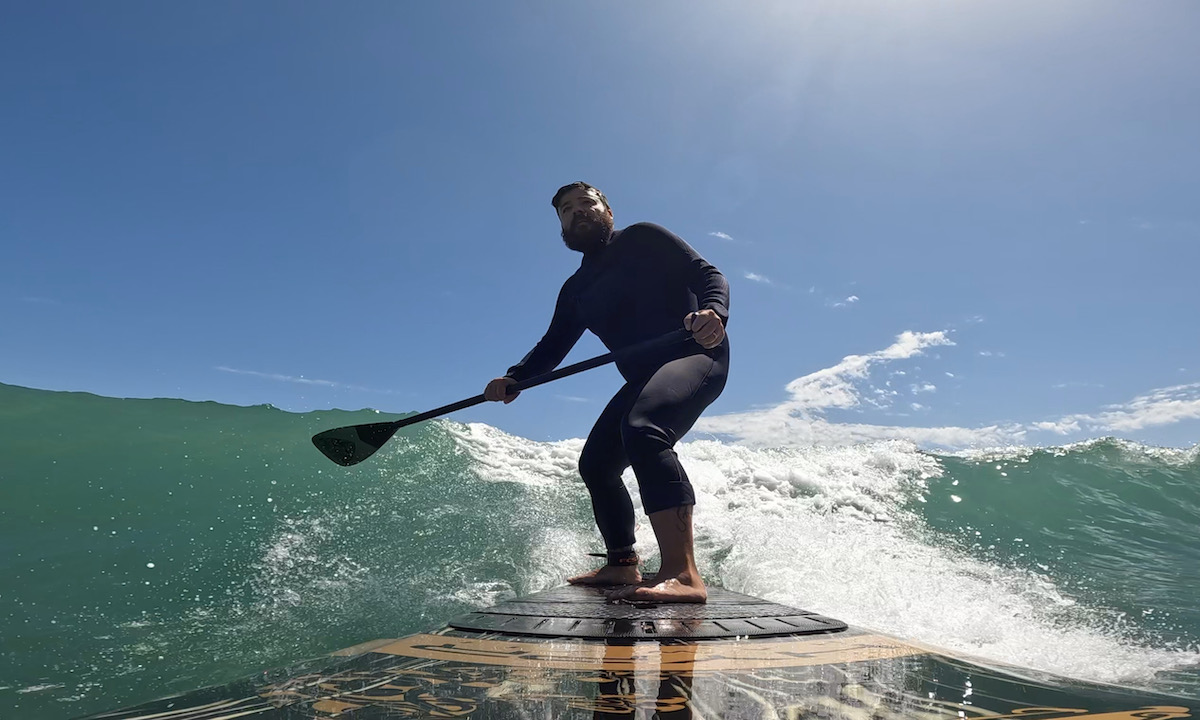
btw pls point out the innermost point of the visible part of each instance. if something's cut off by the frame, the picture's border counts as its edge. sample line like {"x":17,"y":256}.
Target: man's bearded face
{"x":586,"y":221}
{"x":588,"y":230}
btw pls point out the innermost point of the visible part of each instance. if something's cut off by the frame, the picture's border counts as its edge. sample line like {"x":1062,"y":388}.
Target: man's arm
{"x":703,"y":278}
{"x":565,"y":330}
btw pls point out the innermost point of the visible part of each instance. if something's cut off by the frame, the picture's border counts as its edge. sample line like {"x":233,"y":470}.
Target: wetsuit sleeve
{"x":703,"y":278}
{"x":565,"y":330}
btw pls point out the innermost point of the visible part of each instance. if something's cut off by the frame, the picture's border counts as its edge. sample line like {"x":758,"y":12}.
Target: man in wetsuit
{"x":634,"y":285}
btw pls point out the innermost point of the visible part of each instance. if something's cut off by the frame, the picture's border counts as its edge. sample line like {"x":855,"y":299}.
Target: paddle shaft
{"x":351,"y":445}
{"x":669,"y":339}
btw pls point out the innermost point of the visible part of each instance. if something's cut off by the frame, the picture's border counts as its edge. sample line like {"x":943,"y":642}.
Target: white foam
{"x":39,"y":688}
{"x":826,"y":529}
{"x":1129,"y":449}
{"x":500,"y":457}
{"x":483,"y":594}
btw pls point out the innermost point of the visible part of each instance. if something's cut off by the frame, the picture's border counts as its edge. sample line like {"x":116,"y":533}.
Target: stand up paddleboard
{"x":567,"y":653}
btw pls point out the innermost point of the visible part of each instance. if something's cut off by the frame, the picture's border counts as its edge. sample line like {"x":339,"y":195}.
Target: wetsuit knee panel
{"x":643,"y":438}
{"x":599,"y":468}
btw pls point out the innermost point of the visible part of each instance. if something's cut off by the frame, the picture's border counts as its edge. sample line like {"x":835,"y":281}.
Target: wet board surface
{"x":585,"y":613}
{"x":851,"y":673}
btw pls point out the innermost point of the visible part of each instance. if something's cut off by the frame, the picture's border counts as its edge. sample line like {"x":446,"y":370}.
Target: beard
{"x":589,"y":231}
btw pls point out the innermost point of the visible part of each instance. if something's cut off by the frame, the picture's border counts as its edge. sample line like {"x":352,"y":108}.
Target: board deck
{"x":825,"y":670}
{"x":574,"y":611}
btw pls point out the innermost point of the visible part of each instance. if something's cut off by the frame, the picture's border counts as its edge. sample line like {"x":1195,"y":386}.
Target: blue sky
{"x":961,"y":223}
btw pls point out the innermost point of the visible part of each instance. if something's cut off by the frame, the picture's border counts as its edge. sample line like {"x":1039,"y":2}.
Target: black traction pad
{"x":584,"y":612}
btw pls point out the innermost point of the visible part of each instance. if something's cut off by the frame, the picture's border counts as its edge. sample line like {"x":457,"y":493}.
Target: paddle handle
{"x":672,"y":338}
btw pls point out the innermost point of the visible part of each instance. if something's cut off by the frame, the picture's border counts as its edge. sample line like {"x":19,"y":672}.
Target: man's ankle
{"x":623,"y":557}
{"x":677,"y":572}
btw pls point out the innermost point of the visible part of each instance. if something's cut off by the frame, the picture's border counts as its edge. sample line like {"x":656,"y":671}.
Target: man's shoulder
{"x":639,"y":228}
{"x":649,"y":235}
{"x":652,"y":237}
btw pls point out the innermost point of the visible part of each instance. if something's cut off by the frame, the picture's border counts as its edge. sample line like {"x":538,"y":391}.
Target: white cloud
{"x":1164,"y":406}
{"x":279,"y":377}
{"x":949,"y":374}
{"x":1063,"y":427}
{"x":798,"y":421}
{"x":722,"y":236}
{"x":757,"y":278}
{"x":834,"y":387}
{"x":990,"y":353}
{"x":572,"y":398}
{"x":301,"y":380}
{"x":852,"y":299}
{"x":774,"y":428}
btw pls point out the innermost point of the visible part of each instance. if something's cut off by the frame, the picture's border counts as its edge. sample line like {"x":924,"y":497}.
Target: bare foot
{"x":682,"y":588}
{"x":609,"y":575}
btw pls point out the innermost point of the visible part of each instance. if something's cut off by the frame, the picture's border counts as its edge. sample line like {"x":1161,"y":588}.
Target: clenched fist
{"x":497,"y":389}
{"x":706,"y":328}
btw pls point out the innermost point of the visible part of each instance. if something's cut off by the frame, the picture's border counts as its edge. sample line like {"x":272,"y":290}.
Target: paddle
{"x":351,"y":445}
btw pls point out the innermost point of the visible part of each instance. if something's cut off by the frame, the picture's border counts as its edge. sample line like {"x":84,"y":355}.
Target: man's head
{"x":586,"y":218}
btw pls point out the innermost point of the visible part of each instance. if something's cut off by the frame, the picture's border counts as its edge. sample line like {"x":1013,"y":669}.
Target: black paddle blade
{"x":348,"y":446}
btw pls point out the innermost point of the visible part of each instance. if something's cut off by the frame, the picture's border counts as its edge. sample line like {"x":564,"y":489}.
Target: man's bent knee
{"x":599,"y":471}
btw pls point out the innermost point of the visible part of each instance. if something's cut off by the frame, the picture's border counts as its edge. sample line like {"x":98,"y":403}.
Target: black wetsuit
{"x":638,"y":286}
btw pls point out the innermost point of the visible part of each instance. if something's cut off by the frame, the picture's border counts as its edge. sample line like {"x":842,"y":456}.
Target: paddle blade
{"x":348,"y":446}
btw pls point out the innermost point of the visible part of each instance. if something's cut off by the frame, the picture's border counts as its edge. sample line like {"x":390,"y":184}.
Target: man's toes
{"x":621,"y":593}
{"x":641,"y":593}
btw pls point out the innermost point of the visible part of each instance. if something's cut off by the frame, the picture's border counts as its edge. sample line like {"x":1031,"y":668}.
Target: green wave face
{"x":1115,"y":524}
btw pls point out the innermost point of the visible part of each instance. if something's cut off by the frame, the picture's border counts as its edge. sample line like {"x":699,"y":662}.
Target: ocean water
{"x":149,"y":547}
